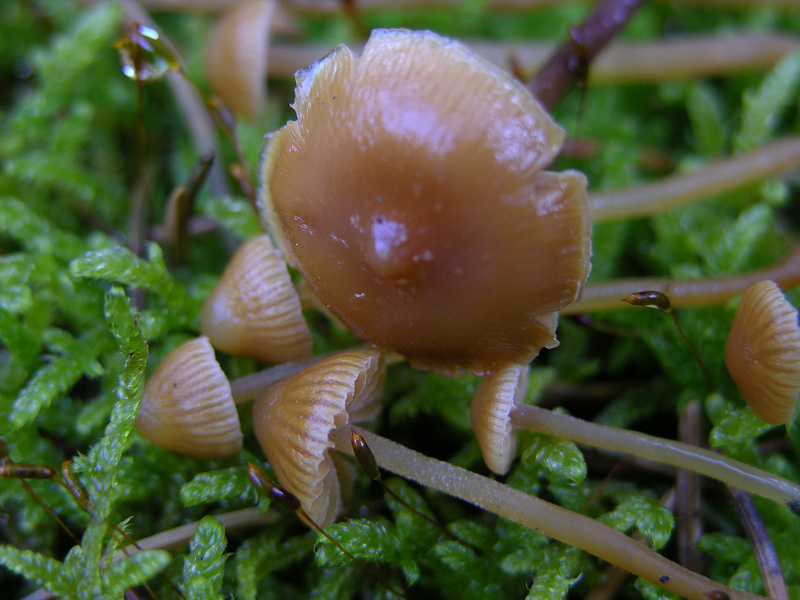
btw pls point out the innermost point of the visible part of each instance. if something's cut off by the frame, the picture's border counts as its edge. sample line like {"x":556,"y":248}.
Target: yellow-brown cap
{"x":410,"y":195}
{"x":294,"y":419}
{"x":762,"y":352}
{"x":236,"y":57}
{"x":187,"y":405}
{"x":254,"y":310}
{"x":490,"y":412}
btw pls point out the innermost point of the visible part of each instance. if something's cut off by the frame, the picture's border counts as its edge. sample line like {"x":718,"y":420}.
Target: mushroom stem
{"x":621,"y":62}
{"x":606,"y":295}
{"x":553,"y":521}
{"x":678,"y":454}
{"x":714,"y":178}
{"x":248,"y":387}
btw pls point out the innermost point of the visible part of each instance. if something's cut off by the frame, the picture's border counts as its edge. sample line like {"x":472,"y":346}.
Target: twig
{"x":572,"y":59}
{"x":763,"y":549}
{"x":687,"y":487}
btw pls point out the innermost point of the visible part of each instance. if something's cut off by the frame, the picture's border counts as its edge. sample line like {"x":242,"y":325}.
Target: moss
{"x":83,"y":318}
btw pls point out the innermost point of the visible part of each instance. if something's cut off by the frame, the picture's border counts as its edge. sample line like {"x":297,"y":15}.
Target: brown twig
{"x":688,"y":493}
{"x":571,"y":61}
{"x":761,"y":543}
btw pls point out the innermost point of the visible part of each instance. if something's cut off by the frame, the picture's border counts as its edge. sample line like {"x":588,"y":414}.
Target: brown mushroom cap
{"x":762,"y":352}
{"x":294,"y":419}
{"x":236,"y":56}
{"x":187,"y":404}
{"x":254,"y":310}
{"x":410,"y":195}
{"x":490,"y":413}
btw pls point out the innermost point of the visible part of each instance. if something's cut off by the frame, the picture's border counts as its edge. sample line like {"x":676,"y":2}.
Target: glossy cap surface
{"x":410,"y":196}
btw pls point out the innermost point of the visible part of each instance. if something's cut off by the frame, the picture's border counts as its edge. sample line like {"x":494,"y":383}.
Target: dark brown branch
{"x":761,"y":543}
{"x":687,"y":489}
{"x":572,"y":59}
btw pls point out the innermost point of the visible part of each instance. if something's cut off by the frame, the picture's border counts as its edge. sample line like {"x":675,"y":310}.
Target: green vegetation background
{"x":74,"y":353}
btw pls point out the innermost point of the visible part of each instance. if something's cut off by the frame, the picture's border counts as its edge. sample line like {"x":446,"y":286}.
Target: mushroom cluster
{"x":411,"y":196}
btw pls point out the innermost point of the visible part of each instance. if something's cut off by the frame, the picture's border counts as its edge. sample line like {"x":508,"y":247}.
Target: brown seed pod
{"x":410,"y":195}
{"x":254,"y":310}
{"x":295,"y":418}
{"x":762,"y":352}
{"x":236,"y":57}
{"x":491,"y":415}
{"x":187,"y":405}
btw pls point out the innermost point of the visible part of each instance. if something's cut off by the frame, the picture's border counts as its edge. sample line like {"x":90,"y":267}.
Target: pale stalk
{"x":682,"y":293}
{"x":690,"y":57}
{"x":713,"y":178}
{"x":329,"y":7}
{"x":677,"y":454}
{"x":548,"y":519}
{"x":248,"y":387}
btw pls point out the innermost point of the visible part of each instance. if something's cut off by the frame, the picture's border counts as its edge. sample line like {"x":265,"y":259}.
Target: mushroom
{"x":295,"y":418}
{"x":301,"y":420}
{"x":410,"y":195}
{"x":254,"y":310}
{"x":762,"y":352}
{"x":187,"y":405}
{"x":497,"y":411}
{"x":236,"y":57}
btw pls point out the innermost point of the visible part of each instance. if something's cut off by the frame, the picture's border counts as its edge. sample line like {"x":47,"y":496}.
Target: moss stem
{"x":677,"y":454}
{"x":553,"y":521}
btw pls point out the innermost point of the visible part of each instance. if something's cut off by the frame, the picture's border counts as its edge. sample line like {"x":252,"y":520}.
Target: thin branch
{"x":763,"y":549}
{"x":687,"y":487}
{"x":570,"y":62}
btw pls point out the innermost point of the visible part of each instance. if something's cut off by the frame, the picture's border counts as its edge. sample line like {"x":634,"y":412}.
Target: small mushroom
{"x":490,"y":412}
{"x":295,"y":419}
{"x":497,"y":411}
{"x":187,"y":405}
{"x":254,"y":310}
{"x":236,"y":57}
{"x":762,"y":353}
{"x":410,"y":195}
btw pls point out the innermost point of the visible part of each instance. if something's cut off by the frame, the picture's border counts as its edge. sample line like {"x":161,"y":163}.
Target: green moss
{"x":83,"y":319}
